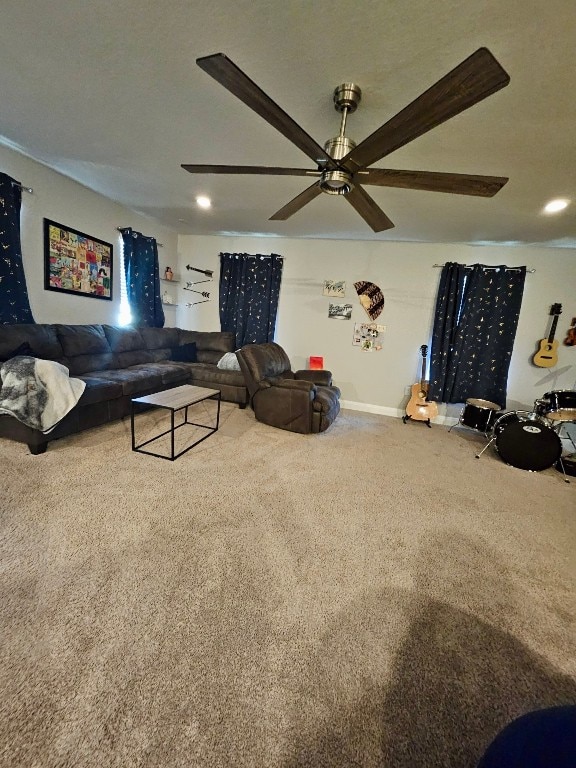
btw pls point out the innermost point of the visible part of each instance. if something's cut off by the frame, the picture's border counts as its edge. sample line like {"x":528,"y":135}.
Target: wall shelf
{"x":168,"y":304}
{"x":163,"y":280}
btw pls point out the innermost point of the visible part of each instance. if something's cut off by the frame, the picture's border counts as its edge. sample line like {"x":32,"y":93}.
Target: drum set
{"x":529,"y":440}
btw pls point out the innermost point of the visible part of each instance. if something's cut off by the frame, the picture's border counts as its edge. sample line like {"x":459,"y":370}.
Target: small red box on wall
{"x":316,"y":363}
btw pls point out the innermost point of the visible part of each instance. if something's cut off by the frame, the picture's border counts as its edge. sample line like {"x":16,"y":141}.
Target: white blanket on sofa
{"x":39,"y":393}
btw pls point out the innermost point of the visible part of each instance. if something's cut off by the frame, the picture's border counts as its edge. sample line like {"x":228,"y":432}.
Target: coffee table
{"x":173,"y":400}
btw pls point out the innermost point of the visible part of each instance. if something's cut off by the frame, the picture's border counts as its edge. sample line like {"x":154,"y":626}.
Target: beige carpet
{"x":371,"y":596}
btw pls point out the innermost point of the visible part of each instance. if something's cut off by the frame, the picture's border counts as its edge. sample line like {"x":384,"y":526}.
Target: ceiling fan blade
{"x":456,"y":183}
{"x":296,"y":203}
{"x":474,"y":79}
{"x":222,"y":69}
{"x":256,"y":169}
{"x":367,"y":208}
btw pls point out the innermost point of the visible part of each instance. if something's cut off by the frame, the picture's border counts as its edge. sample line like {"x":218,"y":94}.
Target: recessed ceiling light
{"x":203,"y":202}
{"x":555,"y":205}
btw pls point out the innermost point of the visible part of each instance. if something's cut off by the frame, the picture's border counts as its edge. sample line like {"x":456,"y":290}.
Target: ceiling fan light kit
{"x":342,"y":165}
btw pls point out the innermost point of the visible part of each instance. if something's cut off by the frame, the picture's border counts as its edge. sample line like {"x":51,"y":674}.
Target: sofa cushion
{"x":22,"y":349}
{"x":98,"y":390}
{"x":79,"y":364}
{"x":83,"y":339}
{"x":214,"y":341}
{"x":42,"y":338}
{"x":171,"y":373}
{"x":155,"y":338}
{"x":123,"y":339}
{"x":210,"y":374}
{"x":185,"y":353}
{"x":135,"y":357}
{"x":157,"y":355}
{"x":133,"y":380}
{"x":209,"y":356}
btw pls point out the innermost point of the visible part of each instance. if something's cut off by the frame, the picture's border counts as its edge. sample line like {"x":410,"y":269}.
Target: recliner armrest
{"x":320,"y":378}
{"x":277,"y":381}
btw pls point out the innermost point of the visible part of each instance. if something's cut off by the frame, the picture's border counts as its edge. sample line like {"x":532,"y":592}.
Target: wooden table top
{"x":177,"y":397}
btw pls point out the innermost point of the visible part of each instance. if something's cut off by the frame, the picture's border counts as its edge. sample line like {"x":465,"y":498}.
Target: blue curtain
{"x":14,"y":303}
{"x":475,"y":323}
{"x":142,"y":279}
{"x":249,"y":292}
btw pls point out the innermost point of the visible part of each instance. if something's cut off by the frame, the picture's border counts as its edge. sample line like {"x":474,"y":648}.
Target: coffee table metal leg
{"x":172,"y":433}
{"x":132,"y":426}
{"x":219,"y":400}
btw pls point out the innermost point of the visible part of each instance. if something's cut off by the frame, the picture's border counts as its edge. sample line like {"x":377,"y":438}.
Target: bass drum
{"x":525,"y":442}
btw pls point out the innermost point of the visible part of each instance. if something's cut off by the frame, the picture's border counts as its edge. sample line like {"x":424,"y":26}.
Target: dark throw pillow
{"x":23,"y":349}
{"x":185,"y":353}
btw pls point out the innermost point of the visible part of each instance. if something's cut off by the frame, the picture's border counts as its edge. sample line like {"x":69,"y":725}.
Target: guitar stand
{"x":427,"y":421}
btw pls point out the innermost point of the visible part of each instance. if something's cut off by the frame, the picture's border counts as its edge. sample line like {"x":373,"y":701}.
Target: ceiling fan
{"x":342,"y":166}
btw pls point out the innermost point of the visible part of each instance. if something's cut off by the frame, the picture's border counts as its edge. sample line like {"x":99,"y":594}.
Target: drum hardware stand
{"x":558,"y":429}
{"x":459,"y":422}
{"x":486,"y":446}
{"x":563,"y":469}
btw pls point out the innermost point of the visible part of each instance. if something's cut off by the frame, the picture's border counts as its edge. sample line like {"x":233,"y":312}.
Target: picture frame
{"x":334,"y":288}
{"x":340,"y":311}
{"x":77,"y":263}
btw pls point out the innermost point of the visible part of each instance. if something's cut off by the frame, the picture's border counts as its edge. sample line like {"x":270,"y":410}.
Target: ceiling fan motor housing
{"x":347,"y":96}
{"x":339,"y":182}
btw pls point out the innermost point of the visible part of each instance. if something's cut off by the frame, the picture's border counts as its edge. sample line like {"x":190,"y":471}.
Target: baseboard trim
{"x":397,"y":413}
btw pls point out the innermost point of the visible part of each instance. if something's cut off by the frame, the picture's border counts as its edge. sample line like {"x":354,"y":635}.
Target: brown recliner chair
{"x":301,"y":401}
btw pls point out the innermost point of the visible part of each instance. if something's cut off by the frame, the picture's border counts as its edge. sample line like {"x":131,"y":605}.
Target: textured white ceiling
{"x":108,"y":93}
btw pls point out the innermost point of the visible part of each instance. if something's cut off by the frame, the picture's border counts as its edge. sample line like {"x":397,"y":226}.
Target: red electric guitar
{"x":570,"y":340}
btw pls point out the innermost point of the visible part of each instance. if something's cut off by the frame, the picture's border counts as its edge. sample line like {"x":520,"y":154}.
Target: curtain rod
{"x":254,"y":255}
{"x":441,"y":266}
{"x":22,"y":187}
{"x":135,"y":234}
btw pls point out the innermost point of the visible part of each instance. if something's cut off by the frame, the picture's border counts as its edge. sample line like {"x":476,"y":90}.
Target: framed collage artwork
{"x":76,"y":263}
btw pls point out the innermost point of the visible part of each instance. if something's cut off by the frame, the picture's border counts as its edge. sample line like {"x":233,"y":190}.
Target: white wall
{"x":404,"y":271}
{"x":58,"y":198}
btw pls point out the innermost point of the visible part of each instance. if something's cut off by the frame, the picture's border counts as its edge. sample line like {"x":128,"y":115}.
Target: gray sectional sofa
{"x":118,"y":364}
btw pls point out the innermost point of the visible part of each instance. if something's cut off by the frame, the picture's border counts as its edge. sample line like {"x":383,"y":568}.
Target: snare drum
{"x":561,"y":405}
{"x":479,"y":414}
{"x":526,"y":442}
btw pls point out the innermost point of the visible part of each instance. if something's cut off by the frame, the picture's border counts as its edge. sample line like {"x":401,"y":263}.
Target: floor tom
{"x":479,"y":415}
{"x":561,"y":405}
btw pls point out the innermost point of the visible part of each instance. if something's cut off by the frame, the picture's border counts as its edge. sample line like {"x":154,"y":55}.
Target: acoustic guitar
{"x":570,"y":340}
{"x":547,"y":354}
{"x":419,"y":408}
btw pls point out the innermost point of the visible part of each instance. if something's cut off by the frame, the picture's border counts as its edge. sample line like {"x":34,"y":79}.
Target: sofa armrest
{"x":321,"y":378}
